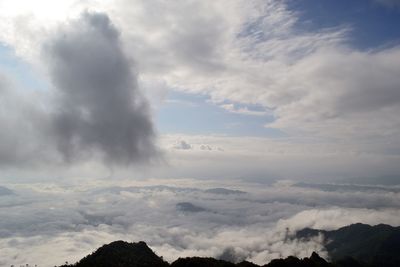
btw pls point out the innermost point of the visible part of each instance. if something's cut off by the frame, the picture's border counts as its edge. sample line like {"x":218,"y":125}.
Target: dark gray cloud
{"x":93,"y":111}
{"x":98,"y":106}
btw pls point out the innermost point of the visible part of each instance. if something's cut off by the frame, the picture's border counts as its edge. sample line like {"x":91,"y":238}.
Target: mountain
{"x":189,"y":207}
{"x":376,"y":246}
{"x":4,"y":191}
{"x":124,"y":254}
{"x":356,"y":245}
{"x":224,"y":191}
{"x":314,"y":261}
{"x":348,"y":187}
{"x":201,"y":262}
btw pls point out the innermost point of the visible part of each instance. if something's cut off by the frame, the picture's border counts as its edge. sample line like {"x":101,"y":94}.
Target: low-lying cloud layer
{"x":252,"y":224}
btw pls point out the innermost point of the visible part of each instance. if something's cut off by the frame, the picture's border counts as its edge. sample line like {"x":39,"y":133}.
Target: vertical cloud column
{"x":99,"y":110}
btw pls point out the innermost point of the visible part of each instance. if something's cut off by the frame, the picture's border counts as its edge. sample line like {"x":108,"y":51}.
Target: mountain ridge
{"x":123,"y":254}
{"x":356,"y":245}
{"x":376,"y":245}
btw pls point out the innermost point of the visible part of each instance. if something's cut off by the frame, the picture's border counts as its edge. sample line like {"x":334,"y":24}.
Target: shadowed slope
{"x":374,"y":245}
{"x":122,"y":254}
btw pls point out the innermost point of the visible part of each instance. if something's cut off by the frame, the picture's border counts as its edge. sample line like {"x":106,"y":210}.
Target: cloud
{"x":182,"y":144}
{"x":99,"y":106}
{"x":205,"y":147}
{"x":315,"y":85}
{"x":4,"y":191}
{"x":94,"y":110}
{"x":253,"y":52}
{"x":335,"y":218}
{"x":244,"y":110}
{"x":24,"y":124}
{"x":253,"y":226}
{"x":267,"y":159}
{"x":313,"y":82}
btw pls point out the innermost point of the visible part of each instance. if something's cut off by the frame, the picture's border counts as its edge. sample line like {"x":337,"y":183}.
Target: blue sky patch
{"x":372,"y":24}
{"x":195,"y":114}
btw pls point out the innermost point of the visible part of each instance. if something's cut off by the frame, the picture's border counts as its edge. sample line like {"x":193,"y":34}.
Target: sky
{"x":196,"y":94}
{"x":116,"y":86}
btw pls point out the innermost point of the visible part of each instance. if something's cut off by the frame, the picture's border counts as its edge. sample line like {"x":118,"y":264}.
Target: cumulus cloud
{"x":98,"y":103}
{"x":182,"y":144}
{"x":94,"y":109}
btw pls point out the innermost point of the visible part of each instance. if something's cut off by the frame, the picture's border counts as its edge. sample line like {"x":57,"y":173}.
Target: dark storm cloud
{"x":98,"y":105}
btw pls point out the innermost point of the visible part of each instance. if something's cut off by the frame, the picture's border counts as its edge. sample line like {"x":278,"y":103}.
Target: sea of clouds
{"x":48,"y":224}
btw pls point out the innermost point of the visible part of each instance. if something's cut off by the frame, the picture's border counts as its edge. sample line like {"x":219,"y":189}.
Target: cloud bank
{"x":254,"y":223}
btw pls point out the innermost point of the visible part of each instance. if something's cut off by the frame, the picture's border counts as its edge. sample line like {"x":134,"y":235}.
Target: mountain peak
{"x":317,"y":259}
{"x":121,"y":253}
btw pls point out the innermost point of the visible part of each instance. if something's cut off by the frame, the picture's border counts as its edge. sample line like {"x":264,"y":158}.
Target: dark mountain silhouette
{"x":356,"y":245}
{"x":200,"y":262}
{"x":123,"y":254}
{"x":377,"y":245}
{"x":246,"y":264}
{"x":314,"y":261}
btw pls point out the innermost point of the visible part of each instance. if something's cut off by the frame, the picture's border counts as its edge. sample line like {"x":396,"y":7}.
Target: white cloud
{"x":73,"y":220}
{"x":182,"y":144}
{"x":334,"y":218}
{"x":248,"y":52}
{"x":244,"y":110}
{"x":316,"y":86}
{"x":259,"y":158}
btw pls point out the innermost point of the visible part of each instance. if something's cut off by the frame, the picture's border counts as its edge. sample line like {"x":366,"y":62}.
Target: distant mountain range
{"x":370,"y":245}
{"x":357,"y":245}
{"x":124,"y":254}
